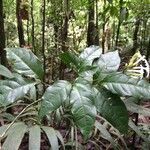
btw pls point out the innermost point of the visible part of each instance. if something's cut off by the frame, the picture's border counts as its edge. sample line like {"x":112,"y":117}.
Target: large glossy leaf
{"x":12,"y":91}
{"x":25,"y":62}
{"x":19,"y":92}
{"x":52,"y":137}
{"x":112,"y":108}
{"x":54,"y":97}
{"x":125,"y":85}
{"x":83,"y":109}
{"x":15,"y":137}
{"x":5,"y":72}
{"x":90,"y":53}
{"x":6,"y":86}
{"x":34,"y":137}
{"x":108,"y":62}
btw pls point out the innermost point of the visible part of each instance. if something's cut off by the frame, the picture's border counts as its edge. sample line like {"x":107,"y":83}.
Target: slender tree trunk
{"x":28,"y":32}
{"x":2,"y":36}
{"x":91,"y":24}
{"x":144,"y":33}
{"x":19,"y":24}
{"x":96,"y":27}
{"x":113,"y":34}
{"x":148,"y":50}
{"x":32,"y":22}
{"x":56,"y":27}
{"x":43,"y":38}
{"x":3,"y":59}
{"x":64,"y":34}
{"x":135,"y":35}
{"x":119,"y":23}
{"x":103,"y":36}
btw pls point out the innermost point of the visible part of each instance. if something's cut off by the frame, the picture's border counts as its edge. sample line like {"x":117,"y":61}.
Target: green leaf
{"x":83,"y":109}
{"x":5,"y":72}
{"x":2,"y":100}
{"x":121,"y":84}
{"x":104,"y":133}
{"x":69,"y":58}
{"x":6,"y":86}
{"x":108,"y":62}
{"x":34,"y":138}
{"x":112,"y":108}
{"x":4,"y":89}
{"x":15,"y":137}
{"x":18,"y":92}
{"x":52,"y":137}
{"x":9,"y":83}
{"x":25,"y":62}
{"x":4,"y":127}
{"x":80,"y":65}
{"x":90,"y":53}
{"x":21,"y":80}
{"x":54,"y":97}
{"x":12,"y":91}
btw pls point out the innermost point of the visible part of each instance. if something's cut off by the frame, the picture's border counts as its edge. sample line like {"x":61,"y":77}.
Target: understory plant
{"x":72,"y":113}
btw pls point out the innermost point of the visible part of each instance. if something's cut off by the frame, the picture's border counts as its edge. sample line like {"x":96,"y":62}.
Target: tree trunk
{"x":148,"y":50}
{"x":43,"y":38}
{"x":103,"y":34}
{"x":96,"y":27}
{"x":28,"y":33}
{"x":64,"y":34}
{"x":135,"y":35}
{"x":19,"y":24}
{"x":119,"y":23}
{"x":32,"y":22}
{"x":2,"y":36}
{"x":91,"y":24}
